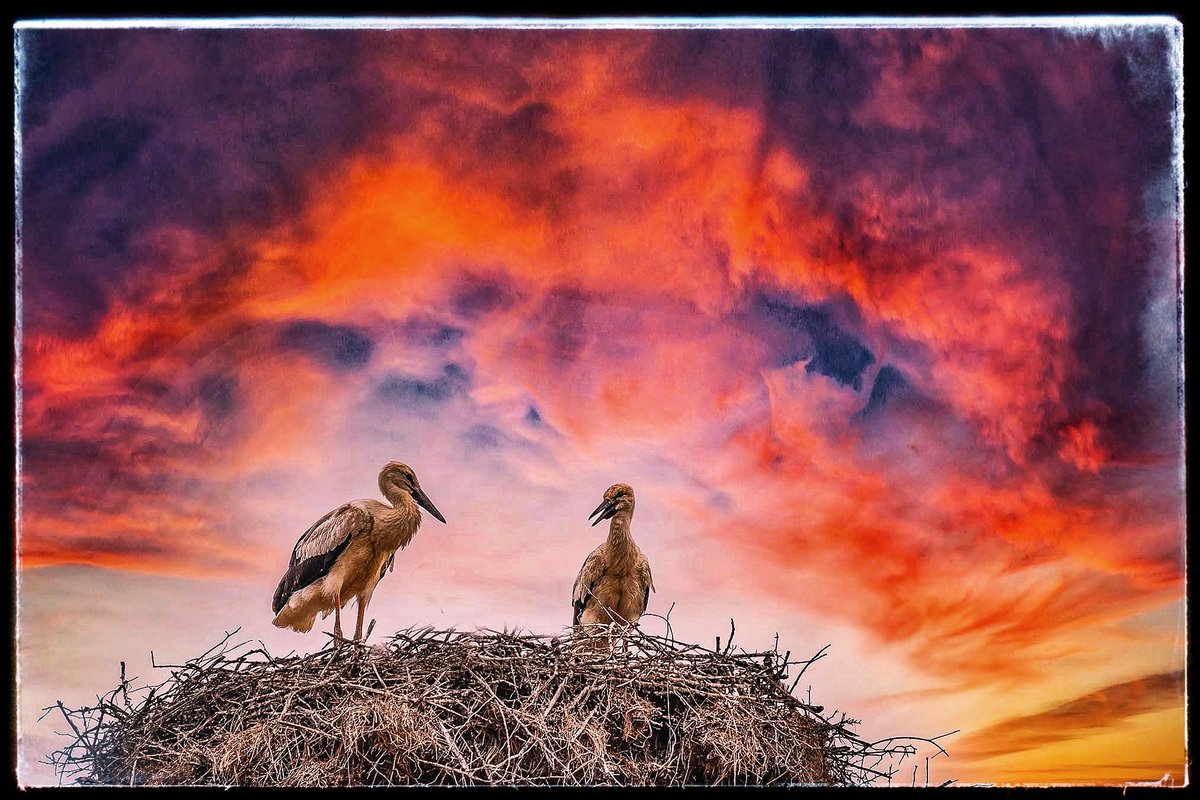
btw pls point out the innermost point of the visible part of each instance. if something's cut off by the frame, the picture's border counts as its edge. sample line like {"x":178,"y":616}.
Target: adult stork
{"x":614,"y":585}
{"x":346,"y":553}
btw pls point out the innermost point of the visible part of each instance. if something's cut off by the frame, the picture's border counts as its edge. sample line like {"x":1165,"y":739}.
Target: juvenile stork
{"x":614,"y":585}
{"x":346,"y":553}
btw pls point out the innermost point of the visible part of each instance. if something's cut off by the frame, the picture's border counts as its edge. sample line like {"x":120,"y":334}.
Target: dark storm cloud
{"x":142,"y":434}
{"x":414,"y":391}
{"x":921,"y":139}
{"x":44,"y":456}
{"x":121,"y":546}
{"x":1107,"y":160}
{"x":127,"y":131}
{"x":726,"y":65}
{"x":831,"y":351}
{"x":558,"y":324}
{"x":336,"y":347}
{"x":484,"y":437}
{"x":889,"y":382}
{"x":217,"y":395}
{"x":427,"y":331}
{"x":89,"y":154}
{"x":128,"y":459}
{"x":918,"y":141}
{"x":476,"y":295}
{"x":445,"y":335}
{"x":525,"y":134}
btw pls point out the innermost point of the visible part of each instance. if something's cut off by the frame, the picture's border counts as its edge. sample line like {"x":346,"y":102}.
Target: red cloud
{"x":1081,"y":446}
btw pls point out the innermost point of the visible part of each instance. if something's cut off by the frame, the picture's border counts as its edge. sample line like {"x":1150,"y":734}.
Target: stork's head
{"x":395,"y":478}
{"x":618,"y":498}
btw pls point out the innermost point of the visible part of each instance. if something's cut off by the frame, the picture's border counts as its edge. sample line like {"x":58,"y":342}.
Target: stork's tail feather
{"x":300,"y":610}
{"x":289,"y":618}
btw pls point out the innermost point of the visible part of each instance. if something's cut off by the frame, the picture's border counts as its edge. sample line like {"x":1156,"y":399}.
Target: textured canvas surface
{"x":882,"y":324}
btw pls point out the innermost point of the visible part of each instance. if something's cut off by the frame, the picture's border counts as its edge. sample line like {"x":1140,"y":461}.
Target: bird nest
{"x":433,"y":706}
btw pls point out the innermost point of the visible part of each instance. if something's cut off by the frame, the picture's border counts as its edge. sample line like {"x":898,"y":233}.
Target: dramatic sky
{"x":882,"y":325}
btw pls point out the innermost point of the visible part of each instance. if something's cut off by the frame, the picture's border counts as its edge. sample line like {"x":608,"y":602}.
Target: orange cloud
{"x":1087,"y":714}
{"x":1081,"y":446}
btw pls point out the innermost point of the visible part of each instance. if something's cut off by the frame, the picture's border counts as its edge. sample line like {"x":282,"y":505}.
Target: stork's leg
{"x":362,"y":610}
{"x":337,"y":613}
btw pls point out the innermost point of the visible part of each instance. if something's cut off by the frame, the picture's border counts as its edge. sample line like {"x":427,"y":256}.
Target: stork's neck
{"x":397,"y":497}
{"x":620,"y":547}
{"x":403,"y":519}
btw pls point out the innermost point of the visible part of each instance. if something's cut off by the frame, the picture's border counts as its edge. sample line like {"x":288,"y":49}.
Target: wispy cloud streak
{"x":1097,"y":711}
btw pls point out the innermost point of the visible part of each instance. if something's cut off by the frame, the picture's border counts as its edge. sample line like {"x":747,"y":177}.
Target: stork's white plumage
{"x":347,"y":552}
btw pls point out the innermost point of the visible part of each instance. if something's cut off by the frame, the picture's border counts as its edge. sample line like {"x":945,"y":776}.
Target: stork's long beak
{"x":605,"y":510}
{"x":424,"y":502}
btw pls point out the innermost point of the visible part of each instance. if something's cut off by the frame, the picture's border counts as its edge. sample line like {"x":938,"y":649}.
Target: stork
{"x":614,"y":585}
{"x":347,"y":552}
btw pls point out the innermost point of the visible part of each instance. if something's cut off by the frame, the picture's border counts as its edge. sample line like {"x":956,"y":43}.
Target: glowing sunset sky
{"x":882,"y":325}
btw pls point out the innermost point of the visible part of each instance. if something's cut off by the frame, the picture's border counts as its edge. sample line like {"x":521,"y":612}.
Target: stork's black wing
{"x":317,"y":550}
{"x":389,"y":564}
{"x":647,"y":579}
{"x":593,"y":568}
